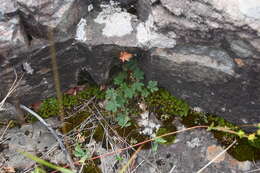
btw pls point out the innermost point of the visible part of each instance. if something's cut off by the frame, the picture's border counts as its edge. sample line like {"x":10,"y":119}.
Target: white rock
{"x":250,"y":8}
{"x":90,"y":7}
{"x":27,"y":67}
{"x":117,"y":22}
{"x":147,"y":37}
{"x":81,"y":31}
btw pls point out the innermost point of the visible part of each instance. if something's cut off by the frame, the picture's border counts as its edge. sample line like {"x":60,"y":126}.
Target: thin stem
{"x":58,"y":87}
{"x":204,"y":167}
{"x":48,"y":126}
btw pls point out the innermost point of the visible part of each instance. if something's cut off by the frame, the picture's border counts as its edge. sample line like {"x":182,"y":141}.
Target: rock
{"x":216,"y":33}
{"x":8,"y":112}
{"x":213,"y":151}
{"x":35,"y":139}
{"x":182,"y":157}
{"x":207,"y":51}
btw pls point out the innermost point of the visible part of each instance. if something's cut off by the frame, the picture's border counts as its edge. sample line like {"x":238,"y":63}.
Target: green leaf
{"x":144,"y":92}
{"x":152,"y":86}
{"x":45,"y":163}
{"x":137,"y":86}
{"x":79,"y":152}
{"x":118,"y":158}
{"x":138,"y":74}
{"x":112,"y":105}
{"x":155,"y":146}
{"x":160,"y":140}
{"x":119,"y":79}
{"x":241,"y":134}
{"x":111,"y":93}
{"x":129,"y":92}
{"x":123,"y":120}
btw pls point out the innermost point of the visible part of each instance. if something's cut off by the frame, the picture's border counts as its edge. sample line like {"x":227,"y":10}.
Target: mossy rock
{"x":133,"y":133}
{"x":255,"y":143}
{"x":91,"y":168}
{"x":162,"y":102}
{"x":167,"y":129}
{"x":244,"y":151}
{"x":50,"y":106}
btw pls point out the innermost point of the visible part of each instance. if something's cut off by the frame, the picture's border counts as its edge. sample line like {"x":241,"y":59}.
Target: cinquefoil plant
{"x":128,"y":86}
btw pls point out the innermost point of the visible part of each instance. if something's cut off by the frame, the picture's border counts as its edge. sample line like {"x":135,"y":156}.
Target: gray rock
{"x":191,"y":151}
{"x":241,"y":48}
{"x":34,"y":139}
{"x":8,"y":112}
{"x":209,"y":50}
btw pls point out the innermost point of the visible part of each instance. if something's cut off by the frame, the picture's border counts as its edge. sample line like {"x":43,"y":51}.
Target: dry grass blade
{"x":2,"y":136}
{"x":62,"y":146}
{"x":123,"y":170}
{"x":138,"y":166}
{"x":204,"y":167}
{"x":12,"y":89}
{"x":255,"y":170}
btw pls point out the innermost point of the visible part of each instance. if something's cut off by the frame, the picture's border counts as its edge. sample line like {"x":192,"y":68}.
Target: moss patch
{"x":92,"y":168}
{"x":50,"y":107}
{"x":166,"y":107}
{"x":132,"y":133}
{"x":163,"y":103}
{"x":167,"y":129}
{"x":242,"y":151}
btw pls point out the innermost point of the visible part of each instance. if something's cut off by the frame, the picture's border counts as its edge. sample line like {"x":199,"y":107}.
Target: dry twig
{"x":204,"y":167}
{"x":12,"y":89}
{"x":53,"y":133}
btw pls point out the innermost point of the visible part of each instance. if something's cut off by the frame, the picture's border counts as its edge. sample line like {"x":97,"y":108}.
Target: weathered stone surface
{"x":191,"y":151}
{"x":8,"y":112}
{"x":203,"y":67}
{"x":12,"y":38}
{"x":207,"y":51}
{"x":217,"y":86}
{"x":35,"y":139}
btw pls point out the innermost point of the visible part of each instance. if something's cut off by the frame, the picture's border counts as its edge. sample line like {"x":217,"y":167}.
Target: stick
{"x":53,"y":133}
{"x":199,"y":171}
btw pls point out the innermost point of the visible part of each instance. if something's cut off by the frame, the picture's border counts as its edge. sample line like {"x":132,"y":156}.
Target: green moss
{"x":76,"y":120}
{"x":167,"y":129}
{"x":50,"y":107}
{"x":242,"y":151}
{"x":99,"y":133}
{"x":132,"y":133}
{"x":91,"y":168}
{"x":162,"y":102}
{"x":166,"y":108}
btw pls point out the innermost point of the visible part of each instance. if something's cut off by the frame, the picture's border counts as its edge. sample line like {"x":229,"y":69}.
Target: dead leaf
{"x":142,"y":106}
{"x":71,"y":91}
{"x":81,"y":138}
{"x":36,"y":106}
{"x":125,"y":56}
{"x":102,"y":87}
{"x":9,"y":169}
{"x":80,"y":87}
{"x":239,"y":62}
